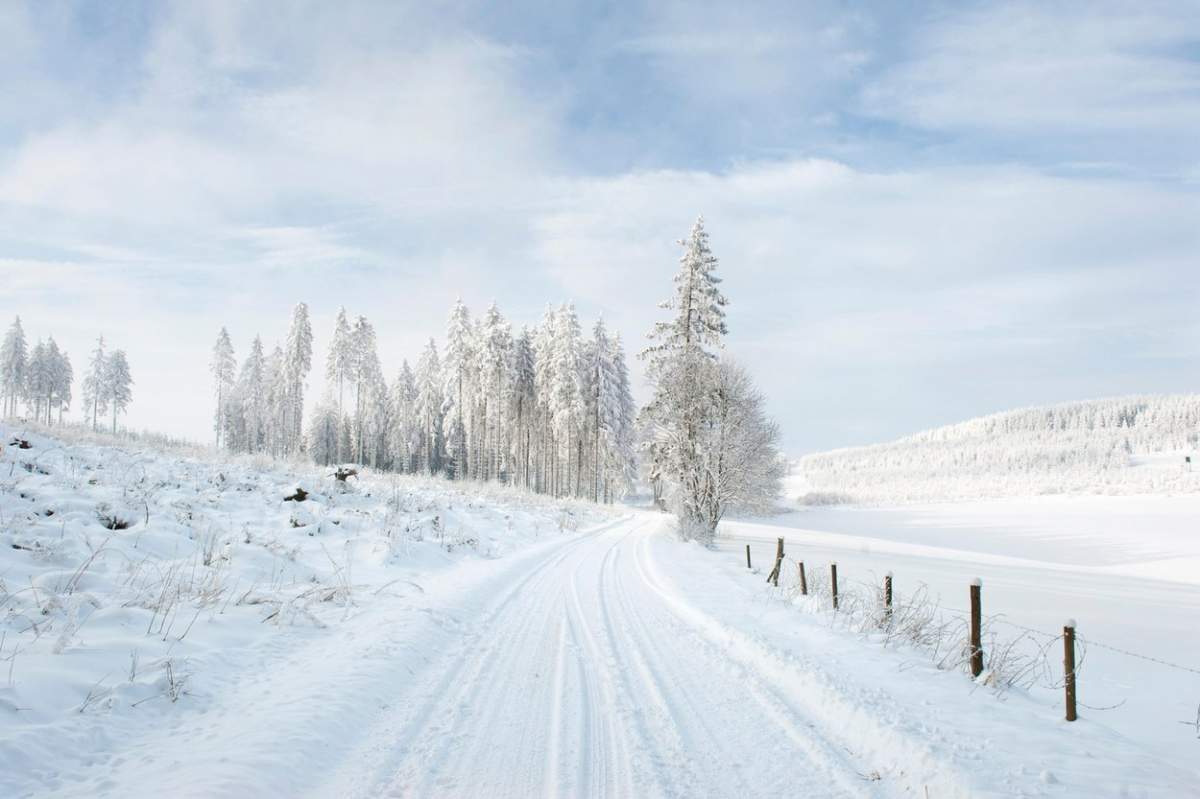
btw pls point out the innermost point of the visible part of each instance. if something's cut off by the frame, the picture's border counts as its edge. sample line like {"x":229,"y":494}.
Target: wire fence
{"x":919,"y":619}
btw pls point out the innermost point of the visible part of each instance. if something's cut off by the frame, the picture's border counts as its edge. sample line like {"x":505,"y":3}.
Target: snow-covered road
{"x":616,"y":662}
{"x":580,"y":680}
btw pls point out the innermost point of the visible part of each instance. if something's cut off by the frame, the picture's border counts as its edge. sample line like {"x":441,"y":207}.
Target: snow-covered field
{"x":418,"y":638}
{"x":1127,"y":569}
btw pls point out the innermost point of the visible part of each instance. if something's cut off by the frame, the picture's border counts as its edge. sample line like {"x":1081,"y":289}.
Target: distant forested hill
{"x":1128,"y":445}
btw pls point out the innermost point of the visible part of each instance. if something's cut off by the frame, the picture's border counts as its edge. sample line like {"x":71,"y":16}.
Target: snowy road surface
{"x":613,"y":663}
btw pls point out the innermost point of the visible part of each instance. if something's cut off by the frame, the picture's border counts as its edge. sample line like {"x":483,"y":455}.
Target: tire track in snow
{"x":798,"y":690}
{"x":394,"y":741}
{"x":832,"y":761}
{"x":583,"y":680}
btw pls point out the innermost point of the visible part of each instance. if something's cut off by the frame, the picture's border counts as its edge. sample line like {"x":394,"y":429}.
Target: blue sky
{"x":924,"y":212}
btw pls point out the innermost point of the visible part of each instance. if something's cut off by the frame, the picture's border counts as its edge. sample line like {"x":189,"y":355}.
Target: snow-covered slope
{"x":413,"y":638}
{"x":1132,"y":445}
{"x":135,"y":583}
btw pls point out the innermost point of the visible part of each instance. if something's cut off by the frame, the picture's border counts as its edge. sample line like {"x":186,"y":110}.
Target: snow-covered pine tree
{"x":367,"y":377}
{"x":345,"y":441}
{"x":297,"y":362}
{"x":404,"y":431}
{"x":95,"y":385}
{"x":682,"y":367}
{"x":543,"y":376}
{"x":339,"y":363}
{"x":566,"y":397}
{"x":523,"y":408}
{"x":495,"y":376}
{"x":624,"y":467}
{"x":64,"y":379}
{"x":223,"y":368}
{"x":323,"y":433}
{"x":118,"y":384}
{"x":458,"y":389}
{"x":38,"y":380}
{"x":14,"y":358}
{"x":253,"y":400}
{"x":275,"y":380}
{"x":49,"y":380}
{"x":429,"y":409}
{"x":603,"y":412}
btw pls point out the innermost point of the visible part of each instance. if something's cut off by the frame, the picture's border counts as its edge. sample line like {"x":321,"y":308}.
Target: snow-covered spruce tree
{"x":345,"y":441}
{"x":458,"y":389}
{"x":495,"y":381}
{"x":275,"y":380}
{"x":297,"y":362}
{"x":323,"y":433}
{"x":566,"y":400}
{"x":64,"y":379}
{"x":14,"y":357}
{"x":682,"y":367}
{"x":403,"y":434}
{"x":608,"y":417}
{"x":428,"y":410}
{"x":601,"y":411}
{"x":223,"y":368}
{"x":48,"y":381}
{"x":543,"y":373}
{"x":522,"y":406}
{"x":623,"y":470}
{"x":253,"y":402}
{"x":339,"y":363}
{"x":369,"y":392}
{"x":95,"y":385}
{"x":118,"y":385}
{"x":38,"y":380}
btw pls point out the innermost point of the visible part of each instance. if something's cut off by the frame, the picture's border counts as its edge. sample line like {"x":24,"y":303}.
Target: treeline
{"x":41,"y":378}
{"x":546,"y":408}
{"x":1076,"y":446}
{"x":260,"y":408}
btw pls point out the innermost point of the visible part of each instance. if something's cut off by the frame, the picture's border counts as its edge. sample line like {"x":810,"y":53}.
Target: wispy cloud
{"x":1122,"y":77}
{"x":934,"y":210}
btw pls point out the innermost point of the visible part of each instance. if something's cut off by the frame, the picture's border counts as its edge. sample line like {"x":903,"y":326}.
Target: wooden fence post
{"x":803,"y":581}
{"x":887,"y":597}
{"x":748,"y":556}
{"x":1069,"y":667}
{"x":773,"y":577}
{"x":833,"y":582}
{"x":976,"y":642}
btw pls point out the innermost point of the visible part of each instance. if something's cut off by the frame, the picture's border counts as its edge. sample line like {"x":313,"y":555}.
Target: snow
{"x":517,"y":646}
{"x":109,"y":633}
{"x":1126,"y":568}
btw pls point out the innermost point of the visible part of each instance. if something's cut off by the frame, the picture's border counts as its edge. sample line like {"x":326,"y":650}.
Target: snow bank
{"x":915,"y":728}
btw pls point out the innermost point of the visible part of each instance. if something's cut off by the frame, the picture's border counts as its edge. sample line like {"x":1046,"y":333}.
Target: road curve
{"x":581,"y":679}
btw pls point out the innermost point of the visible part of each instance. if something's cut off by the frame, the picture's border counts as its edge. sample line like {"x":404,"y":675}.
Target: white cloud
{"x":390,"y":161}
{"x":958,"y":273}
{"x":1049,"y":68}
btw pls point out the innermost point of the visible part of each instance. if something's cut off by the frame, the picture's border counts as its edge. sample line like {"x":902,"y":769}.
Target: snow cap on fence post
{"x":977,"y":582}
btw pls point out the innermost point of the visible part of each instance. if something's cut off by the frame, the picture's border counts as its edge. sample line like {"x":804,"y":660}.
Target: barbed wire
{"x":1081,"y":639}
{"x":1089,"y":641}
